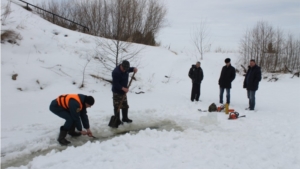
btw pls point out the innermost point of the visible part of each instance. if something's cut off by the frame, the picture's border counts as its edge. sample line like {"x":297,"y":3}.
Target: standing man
{"x":119,"y":88}
{"x":72,"y":108}
{"x":252,"y":79}
{"x":226,"y":77}
{"x":196,"y":74}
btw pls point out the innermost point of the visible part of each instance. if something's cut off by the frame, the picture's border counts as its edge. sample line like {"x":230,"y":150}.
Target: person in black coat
{"x":196,"y":74}
{"x":119,"y":88}
{"x":251,"y":81}
{"x":226,"y":77}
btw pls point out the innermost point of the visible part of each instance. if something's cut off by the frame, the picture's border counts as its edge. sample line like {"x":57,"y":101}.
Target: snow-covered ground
{"x":168,"y":130}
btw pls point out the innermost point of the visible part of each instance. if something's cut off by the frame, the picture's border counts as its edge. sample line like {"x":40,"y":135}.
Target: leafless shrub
{"x":111,"y":53}
{"x":128,"y":20}
{"x":5,"y":12}
{"x":83,"y":72}
{"x":10,"y":36}
{"x":150,"y":80}
{"x":61,"y":8}
{"x":201,"y":38}
{"x":271,"y":49}
{"x":21,"y":26}
{"x":220,"y":50}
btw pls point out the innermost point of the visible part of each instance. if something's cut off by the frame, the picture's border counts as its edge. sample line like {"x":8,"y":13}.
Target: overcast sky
{"x":227,"y":20}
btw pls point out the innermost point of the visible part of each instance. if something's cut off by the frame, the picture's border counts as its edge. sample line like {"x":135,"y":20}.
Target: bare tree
{"x":270,"y":48}
{"x":111,"y":53}
{"x":201,"y":38}
{"x":127,"y":20}
{"x":83,"y":71}
{"x":5,"y":12}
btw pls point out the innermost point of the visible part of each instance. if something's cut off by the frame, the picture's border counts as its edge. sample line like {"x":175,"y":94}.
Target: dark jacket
{"x":252,"y":78}
{"x":196,"y":74}
{"x":227,"y":76}
{"x":120,"y":79}
{"x":78,"y":117}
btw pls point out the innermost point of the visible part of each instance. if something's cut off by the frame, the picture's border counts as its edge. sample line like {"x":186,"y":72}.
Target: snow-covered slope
{"x":168,"y":130}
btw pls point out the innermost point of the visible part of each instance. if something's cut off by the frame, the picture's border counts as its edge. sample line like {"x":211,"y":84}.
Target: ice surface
{"x":167,"y":131}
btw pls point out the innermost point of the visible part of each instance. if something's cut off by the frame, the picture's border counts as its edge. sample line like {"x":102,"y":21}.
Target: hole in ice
{"x":101,"y":135}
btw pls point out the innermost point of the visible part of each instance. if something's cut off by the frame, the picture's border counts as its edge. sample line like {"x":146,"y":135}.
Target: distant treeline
{"x":273,"y":50}
{"x":127,"y":20}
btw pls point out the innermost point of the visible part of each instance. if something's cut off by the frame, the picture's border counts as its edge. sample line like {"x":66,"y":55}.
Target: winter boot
{"x":125,"y":116}
{"x":61,"y":138}
{"x":117,"y":115}
{"x":73,"y":133}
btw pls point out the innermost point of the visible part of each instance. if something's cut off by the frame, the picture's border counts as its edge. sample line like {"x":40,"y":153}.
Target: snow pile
{"x":167,"y":131}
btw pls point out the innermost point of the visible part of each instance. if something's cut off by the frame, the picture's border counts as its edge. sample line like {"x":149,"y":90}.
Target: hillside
{"x":167,"y":131}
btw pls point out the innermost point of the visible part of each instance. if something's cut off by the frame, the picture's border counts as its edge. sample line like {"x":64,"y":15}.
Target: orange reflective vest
{"x":63,"y":100}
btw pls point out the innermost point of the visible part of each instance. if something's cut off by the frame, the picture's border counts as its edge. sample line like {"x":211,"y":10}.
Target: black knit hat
{"x":125,"y":65}
{"x":89,"y":100}
{"x":227,"y":60}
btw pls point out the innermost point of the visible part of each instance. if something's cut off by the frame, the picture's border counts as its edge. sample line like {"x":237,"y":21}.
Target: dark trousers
{"x":251,"y":97}
{"x":62,"y":113}
{"x":227,"y":95}
{"x":195,"y":95}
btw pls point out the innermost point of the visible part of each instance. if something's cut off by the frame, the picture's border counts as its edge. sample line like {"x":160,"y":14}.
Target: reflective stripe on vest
{"x":63,"y":100}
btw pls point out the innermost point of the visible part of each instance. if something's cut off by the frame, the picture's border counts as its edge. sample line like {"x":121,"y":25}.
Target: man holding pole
{"x":119,"y":88}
